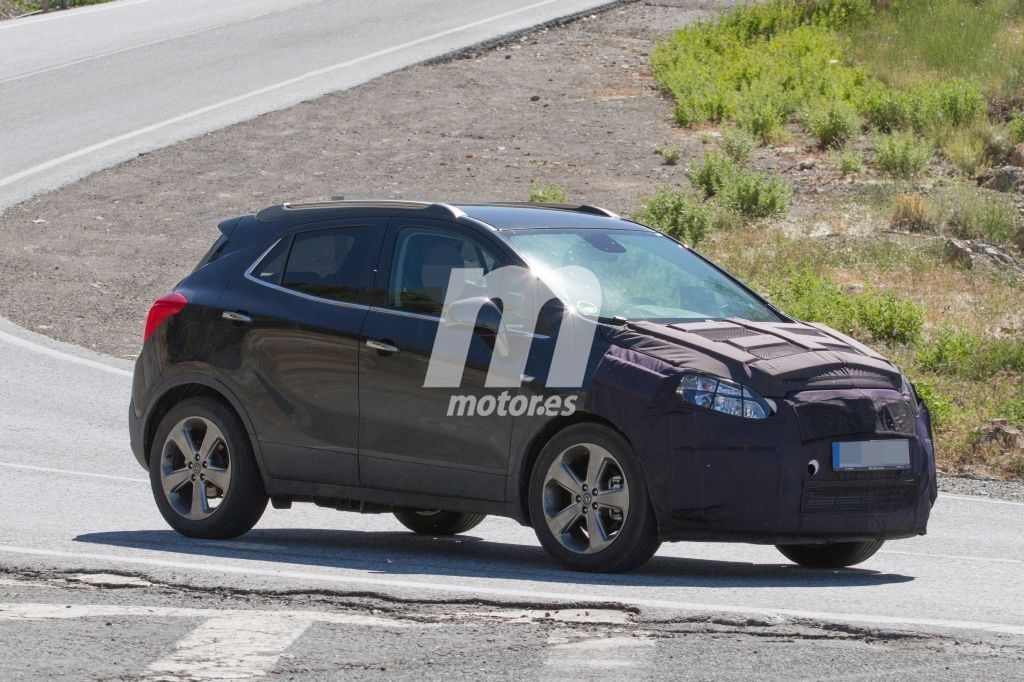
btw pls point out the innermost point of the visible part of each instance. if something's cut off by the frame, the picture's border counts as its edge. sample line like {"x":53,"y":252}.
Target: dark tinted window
{"x":423,"y":263}
{"x":336,"y":263}
{"x":272,"y":265}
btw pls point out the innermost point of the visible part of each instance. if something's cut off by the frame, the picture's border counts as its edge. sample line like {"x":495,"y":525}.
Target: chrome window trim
{"x":309,"y":297}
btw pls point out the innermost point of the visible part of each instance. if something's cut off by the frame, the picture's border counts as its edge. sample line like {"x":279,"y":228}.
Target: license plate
{"x":871,"y":455}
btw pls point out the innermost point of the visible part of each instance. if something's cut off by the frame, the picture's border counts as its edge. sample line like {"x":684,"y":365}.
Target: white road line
{"x":85,"y":151}
{"x":245,"y":568}
{"x":111,"y":53}
{"x":954,"y":556}
{"x":66,"y":472}
{"x":232,"y":644}
{"x":595,"y":654}
{"x":228,"y":647}
{"x":60,"y":355}
{"x":971,"y":498}
{"x":77,"y":12}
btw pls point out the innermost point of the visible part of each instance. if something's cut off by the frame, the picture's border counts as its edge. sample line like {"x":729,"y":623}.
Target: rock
{"x":958,"y":253}
{"x":999,"y":433}
{"x":1017,"y":155}
{"x":808,"y":164}
{"x":997,"y":255}
{"x":535,"y":98}
{"x":1004,"y":179}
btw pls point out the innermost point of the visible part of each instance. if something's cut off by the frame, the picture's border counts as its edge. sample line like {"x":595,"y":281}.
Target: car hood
{"x":773,"y":358}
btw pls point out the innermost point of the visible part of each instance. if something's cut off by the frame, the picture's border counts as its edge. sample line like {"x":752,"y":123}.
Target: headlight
{"x":723,"y":396}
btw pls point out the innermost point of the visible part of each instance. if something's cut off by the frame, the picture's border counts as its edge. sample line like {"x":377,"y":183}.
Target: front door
{"x":408,"y":440}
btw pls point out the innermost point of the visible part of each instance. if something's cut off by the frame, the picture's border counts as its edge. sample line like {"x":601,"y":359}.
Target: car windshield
{"x":642,"y":276}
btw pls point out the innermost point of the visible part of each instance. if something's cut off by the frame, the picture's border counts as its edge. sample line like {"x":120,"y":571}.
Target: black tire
{"x":835,"y":555}
{"x":632,"y":543}
{"x":243,"y":501}
{"x":438,"y":521}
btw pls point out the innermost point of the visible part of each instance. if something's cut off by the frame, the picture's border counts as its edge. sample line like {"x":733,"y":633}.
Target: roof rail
{"x":576,"y":208}
{"x":447,"y":209}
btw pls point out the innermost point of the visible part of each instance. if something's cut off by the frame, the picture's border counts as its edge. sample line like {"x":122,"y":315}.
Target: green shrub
{"x":762,"y":120}
{"x":970,"y":355}
{"x":547,"y":194}
{"x":903,"y":155}
{"x":972,"y":213}
{"x":1017,"y":128}
{"x":849,"y":161}
{"x":939,"y":404}
{"x":889,"y":317}
{"x":712,"y":173}
{"x":737,"y":145}
{"x":1012,"y":410}
{"x":676,"y":214}
{"x":755,"y":194}
{"x":886,"y":109}
{"x":869,"y":314}
{"x":965,"y":150}
{"x":669,"y":155}
{"x":832,"y":123}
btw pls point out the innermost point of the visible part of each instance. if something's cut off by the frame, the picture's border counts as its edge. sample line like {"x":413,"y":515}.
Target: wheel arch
{"x":535,"y":442}
{"x":191,"y":386}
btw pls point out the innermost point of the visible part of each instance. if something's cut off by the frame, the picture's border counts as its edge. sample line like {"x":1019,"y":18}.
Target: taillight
{"x":164,"y":307}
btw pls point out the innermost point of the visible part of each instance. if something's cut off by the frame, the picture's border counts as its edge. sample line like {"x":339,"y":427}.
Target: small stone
{"x":535,"y":98}
{"x":1017,"y":155}
{"x":959,"y":253}
{"x":1002,"y":179}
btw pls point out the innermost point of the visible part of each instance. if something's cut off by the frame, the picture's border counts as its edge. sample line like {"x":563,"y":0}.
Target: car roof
{"x":500,"y":216}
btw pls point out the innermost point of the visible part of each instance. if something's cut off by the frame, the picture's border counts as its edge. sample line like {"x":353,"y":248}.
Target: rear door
{"x":291,"y":348}
{"x":408,"y":441}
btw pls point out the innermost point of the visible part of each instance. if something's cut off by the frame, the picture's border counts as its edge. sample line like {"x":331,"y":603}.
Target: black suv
{"x":344,"y":353}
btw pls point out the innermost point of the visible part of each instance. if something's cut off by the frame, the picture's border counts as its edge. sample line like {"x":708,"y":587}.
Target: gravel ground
{"x":1012,"y":491}
{"x":114,"y":627}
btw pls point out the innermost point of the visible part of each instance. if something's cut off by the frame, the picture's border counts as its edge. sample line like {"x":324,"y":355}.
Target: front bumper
{"x":763,"y":481}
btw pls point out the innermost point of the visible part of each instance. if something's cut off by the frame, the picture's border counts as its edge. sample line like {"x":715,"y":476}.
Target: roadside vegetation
{"x":910,"y":111}
{"x":15,"y":8}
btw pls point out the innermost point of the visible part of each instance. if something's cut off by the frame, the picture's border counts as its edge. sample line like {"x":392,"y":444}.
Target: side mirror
{"x":481,"y":314}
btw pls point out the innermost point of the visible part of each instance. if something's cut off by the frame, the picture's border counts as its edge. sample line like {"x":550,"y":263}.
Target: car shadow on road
{"x":466,"y":556}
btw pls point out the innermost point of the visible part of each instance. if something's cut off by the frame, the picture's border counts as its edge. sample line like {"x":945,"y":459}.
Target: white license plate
{"x":871,"y":455}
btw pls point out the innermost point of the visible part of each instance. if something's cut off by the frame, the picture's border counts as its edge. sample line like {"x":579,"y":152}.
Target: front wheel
{"x":438,"y":521}
{"x":835,"y":555}
{"x":589,"y":503}
{"x":203,"y":473}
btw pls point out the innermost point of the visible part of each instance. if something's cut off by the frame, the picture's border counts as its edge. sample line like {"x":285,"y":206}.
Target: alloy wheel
{"x":195,"y":468}
{"x":585,"y":498}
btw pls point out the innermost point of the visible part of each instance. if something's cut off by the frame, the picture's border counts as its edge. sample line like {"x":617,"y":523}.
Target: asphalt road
{"x":85,"y":89}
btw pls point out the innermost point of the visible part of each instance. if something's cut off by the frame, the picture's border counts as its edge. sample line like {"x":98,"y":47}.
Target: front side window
{"x":336,"y":264}
{"x":643,"y":276}
{"x":423,"y":263}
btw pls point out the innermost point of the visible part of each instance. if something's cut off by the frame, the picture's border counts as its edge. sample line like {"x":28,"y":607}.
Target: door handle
{"x":382,"y":346}
{"x":236,"y":317}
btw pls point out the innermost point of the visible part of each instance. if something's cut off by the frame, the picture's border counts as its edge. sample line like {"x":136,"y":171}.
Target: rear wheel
{"x":835,"y":555}
{"x":203,"y":473}
{"x":438,"y":521}
{"x":589,"y":503}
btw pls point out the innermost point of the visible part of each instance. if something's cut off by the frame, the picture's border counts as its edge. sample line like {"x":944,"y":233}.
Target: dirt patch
{"x":574,"y":105}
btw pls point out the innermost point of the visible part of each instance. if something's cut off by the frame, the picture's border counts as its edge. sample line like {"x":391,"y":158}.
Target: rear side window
{"x":271,"y":267}
{"x":336,"y":264}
